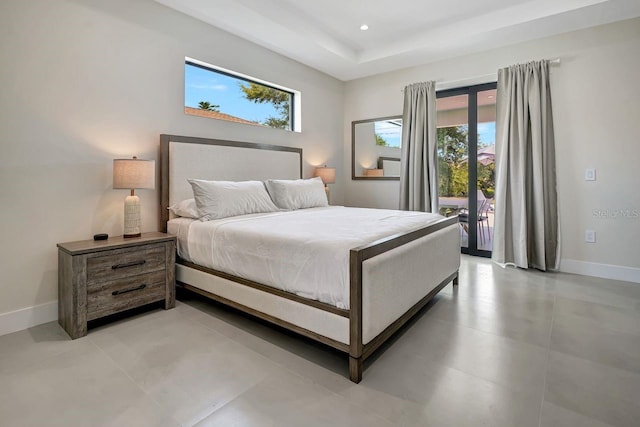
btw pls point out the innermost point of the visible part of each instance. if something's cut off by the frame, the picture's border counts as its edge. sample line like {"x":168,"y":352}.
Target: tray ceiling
{"x":326,"y":34}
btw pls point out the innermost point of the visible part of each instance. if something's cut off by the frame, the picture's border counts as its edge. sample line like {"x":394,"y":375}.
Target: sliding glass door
{"x":466,"y":150}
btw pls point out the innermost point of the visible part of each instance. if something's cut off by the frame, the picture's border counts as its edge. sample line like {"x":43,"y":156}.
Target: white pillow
{"x":222,"y":199}
{"x":297,"y":194}
{"x":186,"y":209}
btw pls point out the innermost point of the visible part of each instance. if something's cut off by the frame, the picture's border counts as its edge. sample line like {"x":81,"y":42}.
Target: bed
{"x":350,"y":290}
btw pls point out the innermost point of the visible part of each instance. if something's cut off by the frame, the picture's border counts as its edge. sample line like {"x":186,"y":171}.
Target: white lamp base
{"x":328,"y":192}
{"x":132,"y":217}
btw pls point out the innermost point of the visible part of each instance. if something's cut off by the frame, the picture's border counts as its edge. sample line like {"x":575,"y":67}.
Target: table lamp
{"x":130,"y":174}
{"x":328,"y":176}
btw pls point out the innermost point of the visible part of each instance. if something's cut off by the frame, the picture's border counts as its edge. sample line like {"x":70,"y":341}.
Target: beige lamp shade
{"x":328,"y":175}
{"x":134,"y":173}
{"x":130,"y":174}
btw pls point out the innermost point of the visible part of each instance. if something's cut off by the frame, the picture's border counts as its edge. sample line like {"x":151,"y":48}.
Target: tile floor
{"x":508,"y":348}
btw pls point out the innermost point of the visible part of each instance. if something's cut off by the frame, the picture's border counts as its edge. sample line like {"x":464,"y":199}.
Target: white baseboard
{"x":606,"y":271}
{"x":29,"y":317}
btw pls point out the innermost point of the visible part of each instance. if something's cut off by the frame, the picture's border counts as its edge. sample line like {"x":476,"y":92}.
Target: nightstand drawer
{"x":118,"y":295}
{"x":125,"y":263}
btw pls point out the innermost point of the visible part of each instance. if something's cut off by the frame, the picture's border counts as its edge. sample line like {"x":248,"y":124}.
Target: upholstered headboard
{"x":183,"y":157}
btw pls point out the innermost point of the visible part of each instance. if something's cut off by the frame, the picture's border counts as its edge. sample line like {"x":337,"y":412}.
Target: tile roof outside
{"x":217,"y":115}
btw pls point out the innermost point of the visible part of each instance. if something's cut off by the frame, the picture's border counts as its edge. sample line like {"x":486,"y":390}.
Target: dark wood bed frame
{"x":358,"y":352}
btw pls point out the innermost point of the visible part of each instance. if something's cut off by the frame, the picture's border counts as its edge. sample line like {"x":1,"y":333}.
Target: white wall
{"x":84,"y":82}
{"x":596,"y":101}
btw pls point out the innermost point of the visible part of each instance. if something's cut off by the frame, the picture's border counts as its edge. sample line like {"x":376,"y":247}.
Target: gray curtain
{"x":419,"y":157}
{"x":526,"y":207}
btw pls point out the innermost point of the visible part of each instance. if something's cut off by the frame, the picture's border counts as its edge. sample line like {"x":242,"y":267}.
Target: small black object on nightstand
{"x":100,"y":236}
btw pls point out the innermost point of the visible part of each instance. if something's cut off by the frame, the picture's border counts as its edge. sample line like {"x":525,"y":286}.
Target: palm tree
{"x":204,"y":105}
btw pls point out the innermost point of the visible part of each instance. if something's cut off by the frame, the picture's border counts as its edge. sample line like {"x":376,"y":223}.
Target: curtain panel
{"x":419,"y":157}
{"x":526,"y":207}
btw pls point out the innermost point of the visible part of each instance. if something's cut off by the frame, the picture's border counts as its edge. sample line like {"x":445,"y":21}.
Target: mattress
{"x":305,"y":252}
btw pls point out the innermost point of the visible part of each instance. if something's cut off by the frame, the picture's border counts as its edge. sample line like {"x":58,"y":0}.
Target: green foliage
{"x":453,"y":168}
{"x":452,"y":143}
{"x":280,"y":100}
{"x":487,"y":179}
{"x":204,"y":105}
{"x":278,"y":123}
{"x":452,"y":149}
{"x":454,"y":179}
{"x":381,"y":141}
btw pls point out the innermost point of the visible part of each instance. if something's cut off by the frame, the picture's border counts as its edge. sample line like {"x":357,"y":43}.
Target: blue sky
{"x":487,"y":133}
{"x":204,"y":85}
{"x":389,"y":131}
{"x":392,"y":134}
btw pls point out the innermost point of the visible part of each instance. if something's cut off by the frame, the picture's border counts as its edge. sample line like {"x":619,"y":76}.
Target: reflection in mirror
{"x":375,"y":148}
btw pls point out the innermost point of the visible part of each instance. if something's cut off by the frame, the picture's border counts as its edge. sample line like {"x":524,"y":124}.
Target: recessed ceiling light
{"x":364,"y":27}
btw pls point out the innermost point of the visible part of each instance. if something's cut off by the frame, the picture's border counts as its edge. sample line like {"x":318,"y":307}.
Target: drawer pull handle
{"x":137,"y":288}
{"x":128,"y":264}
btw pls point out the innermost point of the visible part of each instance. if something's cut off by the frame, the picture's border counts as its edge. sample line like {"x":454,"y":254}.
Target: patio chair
{"x":482,"y":216}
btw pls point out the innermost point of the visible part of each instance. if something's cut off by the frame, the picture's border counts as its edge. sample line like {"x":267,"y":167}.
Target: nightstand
{"x":99,"y":278}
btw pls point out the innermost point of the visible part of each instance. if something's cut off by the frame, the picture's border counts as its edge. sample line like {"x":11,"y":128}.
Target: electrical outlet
{"x":590,"y":174}
{"x":590,"y":236}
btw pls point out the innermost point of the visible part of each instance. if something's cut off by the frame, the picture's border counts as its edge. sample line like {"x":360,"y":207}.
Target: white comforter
{"x":305,"y":252}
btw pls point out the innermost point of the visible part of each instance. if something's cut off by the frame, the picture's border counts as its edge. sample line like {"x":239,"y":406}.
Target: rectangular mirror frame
{"x":353,"y":151}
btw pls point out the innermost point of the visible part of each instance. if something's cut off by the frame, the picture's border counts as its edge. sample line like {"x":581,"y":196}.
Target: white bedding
{"x":305,"y":252}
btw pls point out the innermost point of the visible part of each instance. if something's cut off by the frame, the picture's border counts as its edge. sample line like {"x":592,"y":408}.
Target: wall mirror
{"x":375,"y":148}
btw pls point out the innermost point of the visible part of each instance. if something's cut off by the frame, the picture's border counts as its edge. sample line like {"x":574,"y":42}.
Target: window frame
{"x":295,"y":115}
{"x":472,"y":154}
